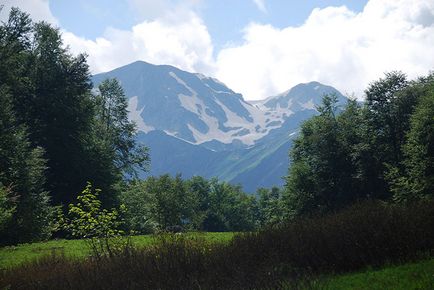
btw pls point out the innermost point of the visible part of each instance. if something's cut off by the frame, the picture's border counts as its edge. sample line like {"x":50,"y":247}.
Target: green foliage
{"x":115,"y":129}
{"x":101,"y":227}
{"x":270,"y":208}
{"x":389,"y":103}
{"x":22,"y":177}
{"x":7,"y":207}
{"x":415,"y":180}
{"x":84,"y":137}
{"x":159,"y":203}
{"x":375,"y":150}
{"x":322,"y":167}
{"x":198,"y":188}
{"x":86,"y":219}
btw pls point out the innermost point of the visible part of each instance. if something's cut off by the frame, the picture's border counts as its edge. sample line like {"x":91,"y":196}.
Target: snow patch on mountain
{"x":264,"y":116}
{"x":181,"y":82}
{"x":246,"y":130}
{"x":309,"y":105}
{"x":191,"y":103}
{"x":134,"y":114}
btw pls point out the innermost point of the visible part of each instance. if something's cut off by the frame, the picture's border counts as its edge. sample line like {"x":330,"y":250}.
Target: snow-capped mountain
{"x":196,"y":125}
{"x":188,"y":106}
{"x":200,"y":109}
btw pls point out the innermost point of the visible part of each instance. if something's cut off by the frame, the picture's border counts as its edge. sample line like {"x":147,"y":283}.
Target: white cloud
{"x":261,"y":5}
{"x":335,"y":46}
{"x":38,"y":9}
{"x":184,"y":43}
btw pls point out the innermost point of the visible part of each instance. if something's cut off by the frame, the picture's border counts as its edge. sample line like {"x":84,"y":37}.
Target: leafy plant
{"x":101,"y":227}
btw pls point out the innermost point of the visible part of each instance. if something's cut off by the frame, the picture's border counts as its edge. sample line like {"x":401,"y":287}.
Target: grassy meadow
{"x":418,"y":275}
{"x":13,"y":256}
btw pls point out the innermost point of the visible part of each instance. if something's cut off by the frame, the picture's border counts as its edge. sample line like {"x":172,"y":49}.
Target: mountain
{"x":301,"y":97}
{"x":188,"y":106}
{"x":196,"y":125}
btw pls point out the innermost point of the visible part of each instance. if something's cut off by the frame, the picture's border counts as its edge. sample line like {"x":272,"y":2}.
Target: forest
{"x":69,"y":165}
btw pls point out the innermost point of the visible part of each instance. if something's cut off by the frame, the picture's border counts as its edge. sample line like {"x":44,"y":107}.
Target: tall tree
{"x":321,"y":169}
{"x":115,"y":129}
{"x":50,"y":92}
{"x":25,"y":203}
{"x":383,"y":137}
{"x":414,"y":178}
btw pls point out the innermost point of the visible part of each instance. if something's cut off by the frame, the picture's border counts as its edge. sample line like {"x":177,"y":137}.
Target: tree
{"x":269,"y":206}
{"x":368,"y":151}
{"x":28,"y":215}
{"x":198,"y":189}
{"x":416,"y":178}
{"x":50,"y":93}
{"x":230,"y":209}
{"x":384,"y":135}
{"x":195,"y":204}
{"x":139,"y":205}
{"x":7,"y":207}
{"x":321,"y":172}
{"x":54,"y":122}
{"x":115,"y":129}
{"x":157,"y":203}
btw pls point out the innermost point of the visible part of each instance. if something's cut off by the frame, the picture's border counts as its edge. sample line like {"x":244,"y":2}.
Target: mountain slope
{"x":195,"y":125}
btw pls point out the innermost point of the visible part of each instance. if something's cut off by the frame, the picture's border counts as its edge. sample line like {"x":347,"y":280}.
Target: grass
{"x":369,"y":234}
{"x":405,"y":277}
{"x":12,"y":256}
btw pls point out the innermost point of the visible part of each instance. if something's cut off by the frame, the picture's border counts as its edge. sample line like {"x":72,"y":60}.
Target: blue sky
{"x":257,"y":47}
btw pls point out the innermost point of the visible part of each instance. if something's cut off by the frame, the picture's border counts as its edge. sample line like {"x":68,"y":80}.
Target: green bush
{"x":101,"y":227}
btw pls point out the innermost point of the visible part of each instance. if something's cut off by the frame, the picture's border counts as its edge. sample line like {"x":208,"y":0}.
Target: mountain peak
{"x":302,"y":96}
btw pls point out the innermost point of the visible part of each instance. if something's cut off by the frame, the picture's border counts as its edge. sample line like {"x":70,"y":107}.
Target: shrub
{"x":100,"y":227}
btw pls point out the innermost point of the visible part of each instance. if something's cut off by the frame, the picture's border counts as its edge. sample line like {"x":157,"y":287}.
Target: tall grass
{"x":370,"y":233}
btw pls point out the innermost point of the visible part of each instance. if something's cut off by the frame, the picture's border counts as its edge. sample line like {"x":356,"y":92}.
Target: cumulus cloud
{"x":335,"y":46}
{"x":38,"y":9}
{"x":182,"y":42}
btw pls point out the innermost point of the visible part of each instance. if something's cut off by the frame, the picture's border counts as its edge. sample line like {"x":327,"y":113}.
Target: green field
{"x":411,"y":276}
{"x":16,"y":255}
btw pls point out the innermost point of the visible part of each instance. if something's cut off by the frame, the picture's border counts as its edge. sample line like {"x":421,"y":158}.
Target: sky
{"x":259,"y":48}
